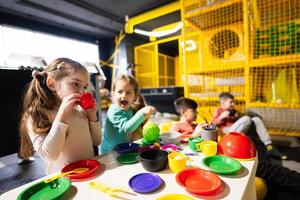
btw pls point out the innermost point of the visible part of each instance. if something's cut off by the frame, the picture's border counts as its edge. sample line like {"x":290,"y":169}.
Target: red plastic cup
{"x":87,"y":101}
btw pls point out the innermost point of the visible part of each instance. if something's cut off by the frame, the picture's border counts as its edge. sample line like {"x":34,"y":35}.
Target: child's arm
{"x":49,"y":146}
{"x":119,"y":119}
{"x":198,"y":129}
{"x":219,"y":117}
{"x":96,"y":132}
{"x":94,"y":125}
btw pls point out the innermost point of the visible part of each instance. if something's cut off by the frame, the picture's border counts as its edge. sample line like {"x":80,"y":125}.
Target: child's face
{"x":123,"y":94}
{"x":190,"y":115}
{"x":228,"y":104}
{"x":77,"y":82}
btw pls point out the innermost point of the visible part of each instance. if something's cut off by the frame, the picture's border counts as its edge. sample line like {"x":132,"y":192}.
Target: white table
{"x":238,"y":186}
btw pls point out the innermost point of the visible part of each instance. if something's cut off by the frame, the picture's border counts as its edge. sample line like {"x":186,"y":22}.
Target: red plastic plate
{"x":198,"y":181}
{"x":93,"y":166}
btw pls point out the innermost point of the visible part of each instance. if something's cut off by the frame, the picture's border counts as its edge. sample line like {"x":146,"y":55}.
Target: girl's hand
{"x":148,"y":110}
{"x":92,"y":112}
{"x":66,"y":107}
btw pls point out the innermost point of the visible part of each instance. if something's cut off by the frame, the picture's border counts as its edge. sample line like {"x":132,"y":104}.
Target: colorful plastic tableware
{"x":175,"y":197}
{"x":52,"y":190}
{"x":193,"y":141}
{"x":127,"y":147}
{"x":222,"y":164}
{"x":177,"y":161}
{"x":145,"y":182}
{"x":87,"y":101}
{"x":154,"y":160}
{"x":93,"y":166}
{"x":209,"y":147}
{"x":128,"y":158}
{"x":76,"y":171}
{"x":169,"y":147}
{"x":198,"y":181}
{"x":237,"y":145}
{"x":170,"y":137}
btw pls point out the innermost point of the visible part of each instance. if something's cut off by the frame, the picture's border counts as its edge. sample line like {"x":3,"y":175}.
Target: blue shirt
{"x":118,"y":124}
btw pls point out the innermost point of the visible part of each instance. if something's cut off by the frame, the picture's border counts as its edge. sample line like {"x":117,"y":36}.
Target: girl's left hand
{"x":92,"y":112}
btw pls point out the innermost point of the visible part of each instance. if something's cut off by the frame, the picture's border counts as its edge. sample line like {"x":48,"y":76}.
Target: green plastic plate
{"x":42,"y":190}
{"x":128,"y":158}
{"x":222,"y":164}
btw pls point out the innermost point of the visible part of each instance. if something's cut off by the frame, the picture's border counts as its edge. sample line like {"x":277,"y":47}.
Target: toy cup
{"x":209,"y":134}
{"x":209,"y":148}
{"x":87,"y":101}
{"x":177,"y":161}
{"x":193,"y":143}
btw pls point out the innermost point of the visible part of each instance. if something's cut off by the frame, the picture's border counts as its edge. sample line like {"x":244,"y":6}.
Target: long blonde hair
{"x":38,"y":99}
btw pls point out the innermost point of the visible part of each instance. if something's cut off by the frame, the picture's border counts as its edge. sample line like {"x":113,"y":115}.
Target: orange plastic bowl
{"x":237,"y":145}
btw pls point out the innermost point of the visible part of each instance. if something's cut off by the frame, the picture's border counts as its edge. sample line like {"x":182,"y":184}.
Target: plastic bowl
{"x":154,"y":160}
{"x":127,"y":147}
{"x":237,"y":145}
{"x":170,"y":137}
{"x":198,"y":181}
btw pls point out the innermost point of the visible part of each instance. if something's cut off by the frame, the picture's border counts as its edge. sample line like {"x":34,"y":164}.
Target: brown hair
{"x":38,"y":99}
{"x":224,"y":96}
{"x":130,"y":79}
{"x":183,"y":103}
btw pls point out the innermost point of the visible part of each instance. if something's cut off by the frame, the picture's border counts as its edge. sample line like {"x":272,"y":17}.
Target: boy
{"x":186,"y":108}
{"x":228,"y":120}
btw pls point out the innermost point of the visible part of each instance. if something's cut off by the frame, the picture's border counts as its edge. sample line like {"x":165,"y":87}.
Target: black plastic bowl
{"x":127,"y":147}
{"x":154,"y":160}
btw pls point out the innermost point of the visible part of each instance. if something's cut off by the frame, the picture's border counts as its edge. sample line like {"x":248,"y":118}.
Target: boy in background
{"x":228,"y":120}
{"x":187,"y":109}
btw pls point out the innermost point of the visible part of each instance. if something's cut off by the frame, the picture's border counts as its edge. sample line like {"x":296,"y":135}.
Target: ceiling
{"x":98,"y":18}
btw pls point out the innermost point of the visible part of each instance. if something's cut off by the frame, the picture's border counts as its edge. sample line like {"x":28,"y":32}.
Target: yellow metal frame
{"x":152,"y":14}
{"x":163,"y":28}
{"x":156,"y":55}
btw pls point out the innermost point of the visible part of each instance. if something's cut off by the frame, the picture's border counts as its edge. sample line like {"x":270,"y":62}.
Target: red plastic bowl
{"x":87,"y":101}
{"x":198,"y":181}
{"x":237,"y":145}
{"x":93,"y":166}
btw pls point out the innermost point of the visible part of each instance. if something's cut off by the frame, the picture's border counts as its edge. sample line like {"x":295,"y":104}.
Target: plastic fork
{"x":77,"y":170}
{"x":111,"y":191}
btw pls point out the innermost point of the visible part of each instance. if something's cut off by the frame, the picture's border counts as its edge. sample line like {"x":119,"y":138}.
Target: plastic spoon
{"x":76,"y":170}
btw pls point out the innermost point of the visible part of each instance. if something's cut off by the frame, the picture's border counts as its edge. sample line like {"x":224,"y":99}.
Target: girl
{"x":52,"y":122}
{"x":120,"y":121}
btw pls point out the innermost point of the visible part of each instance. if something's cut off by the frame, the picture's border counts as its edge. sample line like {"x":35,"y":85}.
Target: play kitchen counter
{"x":240,"y":185}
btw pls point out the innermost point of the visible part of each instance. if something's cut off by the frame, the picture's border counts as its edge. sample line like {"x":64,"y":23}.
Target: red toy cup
{"x":87,"y":101}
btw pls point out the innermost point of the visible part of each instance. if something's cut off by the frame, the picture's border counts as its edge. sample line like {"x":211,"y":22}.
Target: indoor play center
{"x":185,"y":99}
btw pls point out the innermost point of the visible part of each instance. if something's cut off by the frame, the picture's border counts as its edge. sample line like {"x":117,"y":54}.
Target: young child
{"x":53,"y":122}
{"x":121,"y":120}
{"x":187,"y":109}
{"x":228,"y":120}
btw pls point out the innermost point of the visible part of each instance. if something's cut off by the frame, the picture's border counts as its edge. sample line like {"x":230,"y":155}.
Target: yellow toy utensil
{"x":107,"y":189}
{"x":76,"y":170}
